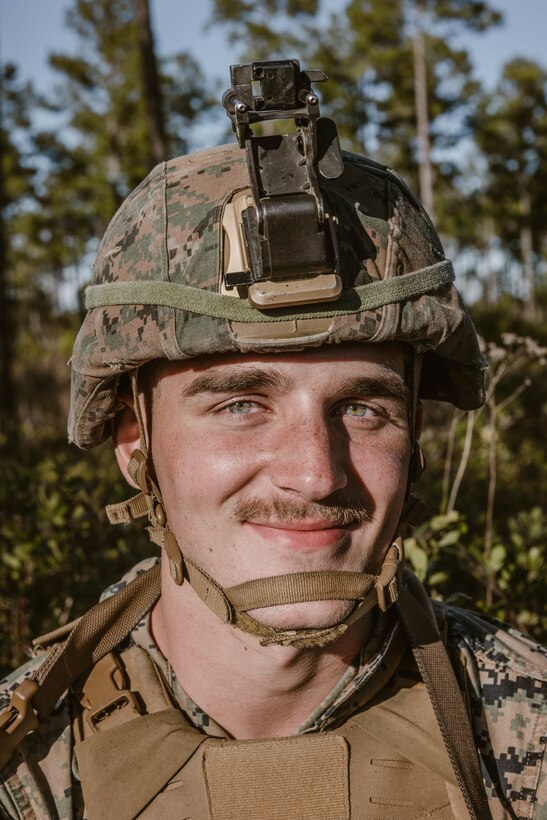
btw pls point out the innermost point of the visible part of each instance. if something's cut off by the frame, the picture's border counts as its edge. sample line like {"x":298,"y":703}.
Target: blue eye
{"x":355,"y":409}
{"x":240,"y":407}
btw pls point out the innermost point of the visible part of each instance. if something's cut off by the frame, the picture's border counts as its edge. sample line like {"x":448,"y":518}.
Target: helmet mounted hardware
{"x":288,"y":234}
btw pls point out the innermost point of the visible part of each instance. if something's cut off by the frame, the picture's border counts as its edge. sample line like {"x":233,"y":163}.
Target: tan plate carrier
{"x":138,"y":756}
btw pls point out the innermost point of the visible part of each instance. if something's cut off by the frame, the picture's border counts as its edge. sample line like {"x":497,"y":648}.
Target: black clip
{"x":288,"y":233}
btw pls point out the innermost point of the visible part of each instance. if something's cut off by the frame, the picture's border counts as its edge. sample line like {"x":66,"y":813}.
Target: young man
{"x":260,"y":328}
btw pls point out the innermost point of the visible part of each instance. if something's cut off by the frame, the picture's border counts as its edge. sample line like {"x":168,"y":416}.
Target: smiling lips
{"x":301,"y":534}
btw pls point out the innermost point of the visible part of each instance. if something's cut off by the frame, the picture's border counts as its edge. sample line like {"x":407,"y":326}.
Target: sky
{"x":30,"y":29}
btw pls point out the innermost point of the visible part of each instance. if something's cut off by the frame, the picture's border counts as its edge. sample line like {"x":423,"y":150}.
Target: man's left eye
{"x":241,"y":407}
{"x":353,"y":408}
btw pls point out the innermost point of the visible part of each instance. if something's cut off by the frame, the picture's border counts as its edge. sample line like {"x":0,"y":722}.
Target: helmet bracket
{"x":287,"y":231}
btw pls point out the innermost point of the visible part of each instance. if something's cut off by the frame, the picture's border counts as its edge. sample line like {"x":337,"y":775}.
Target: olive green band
{"x":204,"y":302}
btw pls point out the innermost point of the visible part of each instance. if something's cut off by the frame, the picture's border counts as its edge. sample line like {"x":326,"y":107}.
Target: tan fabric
{"x":123,"y":769}
{"x":506,"y":685}
{"x":446,"y":698}
{"x":304,"y":777}
{"x":310,"y":776}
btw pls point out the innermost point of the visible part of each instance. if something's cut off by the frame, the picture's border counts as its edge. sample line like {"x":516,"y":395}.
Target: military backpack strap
{"x":96,"y":634}
{"x":446,"y":698}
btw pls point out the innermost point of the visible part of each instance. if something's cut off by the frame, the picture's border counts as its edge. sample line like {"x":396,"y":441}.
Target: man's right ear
{"x":125,"y":434}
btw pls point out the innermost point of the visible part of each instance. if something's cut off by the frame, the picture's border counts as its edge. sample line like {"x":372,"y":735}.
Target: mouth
{"x":302,"y":535}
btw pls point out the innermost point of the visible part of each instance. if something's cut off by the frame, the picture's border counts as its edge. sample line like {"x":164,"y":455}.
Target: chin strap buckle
{"x":18,"y":719}
{"x":391,"y":574}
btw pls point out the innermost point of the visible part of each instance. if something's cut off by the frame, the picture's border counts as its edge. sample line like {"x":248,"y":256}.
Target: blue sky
{"x":30,"y":29}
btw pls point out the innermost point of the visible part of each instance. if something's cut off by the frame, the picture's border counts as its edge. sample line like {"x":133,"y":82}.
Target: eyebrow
{"x":238,"y":381}
{"x":387,"y":385}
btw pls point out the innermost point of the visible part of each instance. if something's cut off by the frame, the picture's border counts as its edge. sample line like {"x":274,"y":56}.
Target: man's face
{"x":273,"y":464}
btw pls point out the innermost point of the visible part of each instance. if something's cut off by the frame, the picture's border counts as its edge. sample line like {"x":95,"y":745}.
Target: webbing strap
{"x":101,"y":629}
{"x":95,"y":634}
{"x":301,"y":586}
{"x":230,"y":604}
{"x":446,"y":698}
{"x":196,"y":300}
{"x":98,"y":632}
{"x":127,"y":511}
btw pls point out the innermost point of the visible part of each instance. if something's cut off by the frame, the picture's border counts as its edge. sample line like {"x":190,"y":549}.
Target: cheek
{"x":382,"y":469}
{"x":197,"y":471}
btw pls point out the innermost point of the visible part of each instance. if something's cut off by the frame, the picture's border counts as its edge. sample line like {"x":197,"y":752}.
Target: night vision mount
{"x":282,"y":240}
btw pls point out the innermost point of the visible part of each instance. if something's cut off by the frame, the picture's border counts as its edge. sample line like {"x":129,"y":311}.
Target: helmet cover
{"x":156,"y":288}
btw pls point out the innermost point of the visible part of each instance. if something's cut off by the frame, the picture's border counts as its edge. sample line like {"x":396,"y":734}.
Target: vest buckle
{"x":106,"y":691}
{"x":18,"y":719}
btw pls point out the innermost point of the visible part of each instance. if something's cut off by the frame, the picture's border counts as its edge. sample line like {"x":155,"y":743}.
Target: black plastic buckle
{"x":287,"y":234}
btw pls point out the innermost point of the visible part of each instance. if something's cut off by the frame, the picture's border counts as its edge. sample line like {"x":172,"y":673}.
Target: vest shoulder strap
{"x":94,"y":635}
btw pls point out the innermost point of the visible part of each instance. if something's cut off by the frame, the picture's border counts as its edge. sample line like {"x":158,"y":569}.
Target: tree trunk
{"x":8,"y":404}
{"x":151,"y":85}
{"x":490,"y":285}
{"x":526,"y":250}
{"x":422,"y":115}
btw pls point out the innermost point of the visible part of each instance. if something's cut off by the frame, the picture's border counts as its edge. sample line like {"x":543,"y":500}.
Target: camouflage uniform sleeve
{"x":39,"y":782}
{"x":507,"y":677}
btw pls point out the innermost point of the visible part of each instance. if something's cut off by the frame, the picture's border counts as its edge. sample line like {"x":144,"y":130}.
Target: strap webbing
{"x":127,"y":511}
{"x":98,"y":632}
{"x":446,"y":698}
{"x":207,"y":303}
{"x":301,"y":586}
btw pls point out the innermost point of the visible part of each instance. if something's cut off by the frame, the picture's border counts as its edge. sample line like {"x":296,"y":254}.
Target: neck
{"x":252,"y":691}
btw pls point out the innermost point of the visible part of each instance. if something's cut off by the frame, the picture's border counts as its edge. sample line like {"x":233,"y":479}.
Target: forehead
{"x":322,"y":362}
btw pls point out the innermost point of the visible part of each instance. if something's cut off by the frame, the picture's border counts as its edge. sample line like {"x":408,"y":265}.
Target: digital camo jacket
{"x":506,"y":688}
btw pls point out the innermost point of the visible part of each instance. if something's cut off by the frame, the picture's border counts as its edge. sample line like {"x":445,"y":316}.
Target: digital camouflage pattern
{"x":506,"y":683}
{"x":170,"y":230}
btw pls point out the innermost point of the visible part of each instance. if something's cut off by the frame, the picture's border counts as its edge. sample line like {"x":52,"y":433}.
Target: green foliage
{"x":452,"y":562}
{"x":511,"y":130}
{"x":487,"y":476}
{"x":58,"y":550}
{"x":100,"y":93}
{"x":367,"y":49}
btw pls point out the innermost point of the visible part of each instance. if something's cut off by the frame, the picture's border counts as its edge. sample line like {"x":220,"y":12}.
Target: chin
{"x":309,"y":615}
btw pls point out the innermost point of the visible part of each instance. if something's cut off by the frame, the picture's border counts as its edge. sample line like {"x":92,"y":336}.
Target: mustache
{"x":288,"y":510}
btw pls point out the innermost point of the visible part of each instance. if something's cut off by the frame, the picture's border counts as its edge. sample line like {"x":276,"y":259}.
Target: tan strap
{"x":301,"y":586}
{"x":99,"y":631}
{"x":231,"y":604}
{"x":127,"y":511}
{"x":446,"y":698}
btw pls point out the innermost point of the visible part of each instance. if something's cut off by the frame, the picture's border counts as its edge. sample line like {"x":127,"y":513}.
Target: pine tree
{"x":16,"y":193}
{"x":399,"y":88}
{"x":511,"y":130}
{"x":123,"y":111}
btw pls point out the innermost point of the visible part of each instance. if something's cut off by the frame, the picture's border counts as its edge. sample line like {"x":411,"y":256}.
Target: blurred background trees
{"x":402,"y":89}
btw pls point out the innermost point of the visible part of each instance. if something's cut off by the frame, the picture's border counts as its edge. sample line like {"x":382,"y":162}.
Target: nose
{"x":310,"y":459}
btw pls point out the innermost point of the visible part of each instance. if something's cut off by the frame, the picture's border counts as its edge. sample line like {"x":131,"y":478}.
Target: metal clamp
{"x":286,"y":230}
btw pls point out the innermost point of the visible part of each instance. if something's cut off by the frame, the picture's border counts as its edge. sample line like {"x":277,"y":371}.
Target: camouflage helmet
{"x":157,"y":286}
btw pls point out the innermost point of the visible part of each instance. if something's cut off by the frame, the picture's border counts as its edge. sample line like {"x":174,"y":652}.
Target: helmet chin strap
{"x":232,"y":604}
